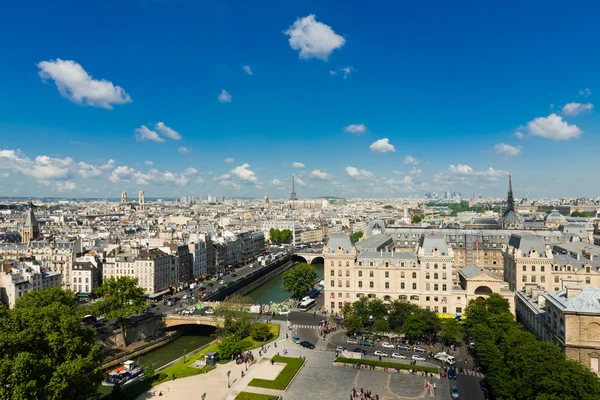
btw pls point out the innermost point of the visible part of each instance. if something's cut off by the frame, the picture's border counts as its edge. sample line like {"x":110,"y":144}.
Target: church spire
{"x":510,"y":201}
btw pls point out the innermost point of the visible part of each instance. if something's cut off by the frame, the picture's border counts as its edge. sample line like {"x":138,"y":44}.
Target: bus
{"x":306,"y":305}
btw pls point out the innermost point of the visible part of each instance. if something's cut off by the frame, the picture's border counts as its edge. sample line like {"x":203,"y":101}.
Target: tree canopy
{"x":388,"y":207}
{"x":356,"y":236}
{"x":121,"y":298}
{"x":46,"y":353}
{"x":518,"y":365}
{"x":416,"y":219}
{"x":299,"y":279}
{"x":277,"y":236}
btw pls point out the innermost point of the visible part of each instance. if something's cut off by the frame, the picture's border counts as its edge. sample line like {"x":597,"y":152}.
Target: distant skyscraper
{"x":293,"y":196}
{"x":123,"y":197}
{"x":142,"y":199}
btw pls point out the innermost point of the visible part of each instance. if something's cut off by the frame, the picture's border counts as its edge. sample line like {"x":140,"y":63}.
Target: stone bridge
{"x":171,"y":320}
{"x":309,"y":256}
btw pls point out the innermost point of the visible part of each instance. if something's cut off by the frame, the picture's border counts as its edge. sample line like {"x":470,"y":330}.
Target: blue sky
{"x":368,"y":99}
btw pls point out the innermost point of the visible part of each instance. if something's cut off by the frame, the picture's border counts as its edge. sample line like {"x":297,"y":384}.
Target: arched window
{"x":402,"y":298}
{"x":370,"y":263}
{"x":414,"y":297}
{"x":387,"y":264}
{"x":435,"y":276}
{"x":427,"y":276}
{"x":387,"y":298}
{"x":435,"y":286}
{"x":427,"y":265}
{"x":543,"y":269}
{"x":360,"y":263}
{"x":444,"y":275}
{"x":542,"y":279}
{"x":533,"y":268}
{"x":435,"y":266}
{"x":402,"y":264}
{"x":524,"y":267}
{"x":443,"y":266}
{"x":532,"y":278}
{"x":444,"y":287}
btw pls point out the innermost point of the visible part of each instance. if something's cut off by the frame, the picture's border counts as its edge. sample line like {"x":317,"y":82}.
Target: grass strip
{"x":392,"y":365}
{"x":255,"y":396}
{"x":292,"y":366}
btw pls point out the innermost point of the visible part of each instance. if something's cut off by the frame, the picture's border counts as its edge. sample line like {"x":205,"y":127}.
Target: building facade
{"x":18,"y":278}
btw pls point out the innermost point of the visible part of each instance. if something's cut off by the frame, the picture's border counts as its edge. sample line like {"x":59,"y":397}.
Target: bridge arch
{"x":318,"y":260}
{"x":300,"y":259}
{"x":483,"y":291}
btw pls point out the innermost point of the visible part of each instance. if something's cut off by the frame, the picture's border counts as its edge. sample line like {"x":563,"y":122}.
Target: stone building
{"x":30,"y":230}
{"x":18,"y":278}
{"x":569,"y":318}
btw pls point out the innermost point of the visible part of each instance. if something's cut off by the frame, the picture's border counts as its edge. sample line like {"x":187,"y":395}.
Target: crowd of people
{"x":363,"y":394}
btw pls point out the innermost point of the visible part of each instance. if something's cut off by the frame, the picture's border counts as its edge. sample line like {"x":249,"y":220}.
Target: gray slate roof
{"x":433,"y":241}
{"x":526,"y":243}
{"x":473,"y":270}
{"x":339,"y":240}
{"x":588,"y":300}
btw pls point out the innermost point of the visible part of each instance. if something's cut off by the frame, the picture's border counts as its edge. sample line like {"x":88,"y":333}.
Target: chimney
{"x":381,"y":252}
{"x":573,"y":291}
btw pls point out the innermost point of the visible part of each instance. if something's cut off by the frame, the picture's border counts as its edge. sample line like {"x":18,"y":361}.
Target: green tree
{"x":377,"y":308}
{"x":452,"y":331}
{"x":149,"y":373}
{"x":380,"y":326}
{"x":416,"y":219}
{"x":361,"y":308}
{"x":45,"y":352}
{"x":229,"y":346}
{"x":347,"y":309}
{"x":413,"y":327}
{"x":286,"y":236}
{"x":235,"y":323}
{"x":353,"y":323}
{"x":356,"y":236}
{"x":398,"y":311}
{"x":299,"y":279}
{"x":121,"y":298}
{"x":388,"y":207}
{"x":260,"y":332}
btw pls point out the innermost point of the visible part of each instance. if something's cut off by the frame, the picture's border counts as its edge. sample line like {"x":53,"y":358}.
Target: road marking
{"x":294,"y":326}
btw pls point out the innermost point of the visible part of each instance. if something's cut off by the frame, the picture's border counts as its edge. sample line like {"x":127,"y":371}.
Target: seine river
{"x":272,"y":290}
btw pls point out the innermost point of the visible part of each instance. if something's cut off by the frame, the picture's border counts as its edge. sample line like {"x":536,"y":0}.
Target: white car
{"x":418,"y":358}
{"x":284,"y":312}
{"x":222,"y":282}
{"x":419,"y":349}
{"x":387,"y":345}
{"x":380,"y":353}
{"x":351,"y":341}
{"x":398,"y":355}
{"x":210,"y":311}
{"x":340,"y":348}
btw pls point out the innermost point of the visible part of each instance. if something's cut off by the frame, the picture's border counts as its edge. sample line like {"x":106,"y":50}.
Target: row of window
{"x":533,"y":279}
{"x":340,"y":305}
{"x":387,"y":274}
{"x":436,"y":286}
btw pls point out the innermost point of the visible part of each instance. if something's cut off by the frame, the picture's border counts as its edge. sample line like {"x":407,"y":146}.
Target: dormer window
{"x":387,"y":264}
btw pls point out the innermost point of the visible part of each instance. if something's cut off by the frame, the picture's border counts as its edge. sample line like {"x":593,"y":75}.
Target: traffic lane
{"x":408,"y":354}
{"x":468,"y":387}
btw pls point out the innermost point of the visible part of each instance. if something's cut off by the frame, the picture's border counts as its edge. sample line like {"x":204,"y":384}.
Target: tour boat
{"x":124,"y":374}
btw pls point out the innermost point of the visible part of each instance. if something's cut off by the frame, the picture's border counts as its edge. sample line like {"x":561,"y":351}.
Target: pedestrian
{"x":434,"y":387}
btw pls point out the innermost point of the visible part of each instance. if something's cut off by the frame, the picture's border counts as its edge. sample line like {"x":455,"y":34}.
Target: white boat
{"x":125,"y":374}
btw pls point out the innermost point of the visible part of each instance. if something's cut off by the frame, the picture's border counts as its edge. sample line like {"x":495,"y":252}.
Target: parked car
{"x":284,"y":312}
{"x":367,"y":343}
{"x":418,"y":358}
{"x":359,"y":350}
{"x":380,"y":353}
{"x":297,"y":339}
{"x":340,"y":348}
{"x":351,"y":341}
{"x":419,"y":349}
{"x":233,"y":275}
{"x":402,"y":347}
{"x":387,"y":345}
{"x":209,"y":311}
{"x":307,"y":344}
{"x":222,"y":282}
{"x":398,"y":355}
{"x":454,"y":392}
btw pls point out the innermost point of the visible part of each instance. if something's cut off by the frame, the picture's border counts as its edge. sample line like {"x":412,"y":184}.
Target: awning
{"x":155,"y":295}
{"x":83,"y":294}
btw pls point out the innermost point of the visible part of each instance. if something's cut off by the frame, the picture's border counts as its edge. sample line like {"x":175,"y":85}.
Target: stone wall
{"x":146,"y":330}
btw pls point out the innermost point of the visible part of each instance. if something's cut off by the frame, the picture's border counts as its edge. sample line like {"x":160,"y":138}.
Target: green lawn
{"x":255,"y":396}
{"x":388,"y":364}
{"x":284,"y":378}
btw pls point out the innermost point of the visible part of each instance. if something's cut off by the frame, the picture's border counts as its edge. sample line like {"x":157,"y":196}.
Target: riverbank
{"x":272,"y":291}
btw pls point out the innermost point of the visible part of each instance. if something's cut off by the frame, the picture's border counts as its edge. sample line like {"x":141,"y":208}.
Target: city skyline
{"x":183,"y":99}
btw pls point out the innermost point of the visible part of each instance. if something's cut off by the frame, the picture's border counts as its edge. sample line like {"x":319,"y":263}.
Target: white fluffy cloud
{"x":321,"y":175}
{"x":110,"y":164}
{"x":409,"y":160}
{"x":297,"y":164}
{"x":229,"y":184}
{"x":168,"y":132}
{"x":144,"y":133}
{"x":382,"y":146}
{"x":190,"y":172}
{"x":299,"y":181}
{"x":576,"y":108}
{"x":183,"y":150}
{"x":465,"y":171}
{"x":359,"y":174}
{"x":276,"y":182}
{"x":506,"y":150}
{"x":553,"y":127}
{"x":247,"y":69}
{"x":519,"y":135}
{"x":42,"y":168}
{"x":224,"y":97}
{"x":87,"y":170}
{"x":149,"y":163}
{"x":124,"y":173}
{"x":356,"y":129}
{"x":65,"y":186}
{"x":75,"y":84}
{"x":313,"y":39}
{"x":244,"y":173}
{"x":228,"y":160}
